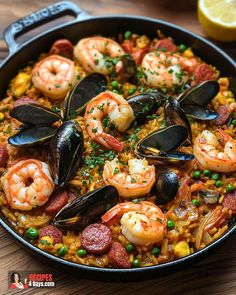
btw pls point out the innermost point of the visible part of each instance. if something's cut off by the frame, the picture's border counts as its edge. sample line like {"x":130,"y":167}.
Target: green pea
{"x":218,"y":183}
{"x":215,"y":176}
{"x":129,"y":247}
{"x":136,"y":263}
{"x":114,"y":84}
{"x":196,"y":174}
{"x":81,"y":252}
{"x":182,"y":47}
{"x":229,"y":188}
{"x":32,"y":233}
{"x":196,"y":202}
{"x":234,"y":122}
{"x":155,"y":251}
{"x":207,"y":172}
{"x":127,"y":35}
{"x":62,"y":251}
{"x":115,"y":91}
{"x":131,"y":90}
{"x":170,"y":224}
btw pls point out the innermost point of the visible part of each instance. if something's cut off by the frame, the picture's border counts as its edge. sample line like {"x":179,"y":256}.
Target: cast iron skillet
{"x":84,"y":26}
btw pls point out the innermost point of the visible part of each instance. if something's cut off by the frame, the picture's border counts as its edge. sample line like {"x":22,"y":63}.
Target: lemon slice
{"x":218,"y":18}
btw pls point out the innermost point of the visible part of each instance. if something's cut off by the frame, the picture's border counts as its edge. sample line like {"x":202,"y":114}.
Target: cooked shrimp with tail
{"x":137,"y":181}
{"x":27,"y":184}
{"x":142,"y":224}
{"x":92,"y":54}
{"x":119,"y":112}
{"x":215,"y":154}
{"x":54,"y":76}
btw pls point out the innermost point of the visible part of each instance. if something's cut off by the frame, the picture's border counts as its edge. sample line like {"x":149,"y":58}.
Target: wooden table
{"x":214,"y":275}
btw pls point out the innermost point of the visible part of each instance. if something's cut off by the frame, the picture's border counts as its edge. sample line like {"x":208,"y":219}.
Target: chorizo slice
{"x":224,"y":114}
{"x":51,"y":231}
{"x":57,"y":201}
{"x":165,"y":44}
{"x":24,"y":100}
{"x":229,"y":202}
{"x":62,"y":47}
{"x":96,"y":238}
{"x":118,"y":256}
{"x":3,"y":155}
{"x":204,"y":72}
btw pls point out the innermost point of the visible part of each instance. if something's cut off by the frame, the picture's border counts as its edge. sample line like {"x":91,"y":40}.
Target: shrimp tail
{"x":112,"y":142}
{"x":224,"y":136}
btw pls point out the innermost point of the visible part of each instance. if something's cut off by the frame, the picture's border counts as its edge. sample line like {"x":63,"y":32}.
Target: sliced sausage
{"x":229,"y":201}
{"x":166,"y":44}
{"x":223,"y":113}
{"x":138,"y":54}
{"x":24,"y":100}
{"x":203,"y":73}
{"x":57,"y":201}
{"x":3,"y":155}
{"x":62,"y":47}
{"x":118,"y":256}
{"x":96,"y":238}
{"x":127,"y":45}
{"x":51,"y":231}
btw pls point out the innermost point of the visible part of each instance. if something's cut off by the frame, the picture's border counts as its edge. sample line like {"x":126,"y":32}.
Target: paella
{"x":119,"y":152}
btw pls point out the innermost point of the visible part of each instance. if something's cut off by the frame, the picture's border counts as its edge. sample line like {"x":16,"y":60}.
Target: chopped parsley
{"x":116,"y":171}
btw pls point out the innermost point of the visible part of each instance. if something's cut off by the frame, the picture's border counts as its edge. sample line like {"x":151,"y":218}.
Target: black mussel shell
{"x":209,"y":196}
{"x":129,"y":66}
{"x":34,"y":114}
{"x":87,"y":209}
{"x":77,"y":99}
{"x":164,"y":140}
{"x":166,"y":187}
{"x":32,"y":136}
{"x":201,"y":94}
{"x":65,"y":152}
{"x":200,"y":113}
{"x":144,"y":104}
{"x":165,"y":158}
{"x":175,"y":116}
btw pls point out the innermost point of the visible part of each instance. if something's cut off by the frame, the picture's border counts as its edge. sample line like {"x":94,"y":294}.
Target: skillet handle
{"x":38,"y":18}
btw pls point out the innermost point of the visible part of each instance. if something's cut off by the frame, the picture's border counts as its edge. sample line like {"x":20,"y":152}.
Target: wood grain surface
{"x":215,"y":274}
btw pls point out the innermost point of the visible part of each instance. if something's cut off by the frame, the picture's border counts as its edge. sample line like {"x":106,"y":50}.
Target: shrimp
{"x":119,"y":112}
{"x":54,"y":76}
{"x":137,"y":182}
{"x":27,"y":184}
{"x":92,"y":52}
{"x":206,"y":150}
{"x":163,"y":69}
{"x":142,"y":224}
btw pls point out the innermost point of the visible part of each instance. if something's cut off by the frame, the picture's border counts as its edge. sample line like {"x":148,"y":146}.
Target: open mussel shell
{"x":32,"y":136}
{"x":166,"y":187}
{"x":34,"y":114}
{"x":200,"y":113}
{"x":201,"y":94}
{"x":65,"y":152}
{"x":209,"y":196}
{"x":144,"y":104}
{"x":77,"y":99}
{"x":87,"y":209}
{"x":175,"y":115}
{"x":164,"y":140}
{"x":129,"y":66}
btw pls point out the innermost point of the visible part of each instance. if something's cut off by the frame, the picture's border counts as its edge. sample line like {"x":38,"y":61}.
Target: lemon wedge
{"x":218,"y":18}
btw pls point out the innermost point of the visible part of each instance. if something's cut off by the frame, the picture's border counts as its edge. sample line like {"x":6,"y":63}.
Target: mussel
{"x":129,"y":66}
{"x":65,"y":152}
{"x":166,"y":187}
{"x":87,"y":208}
{"x":195,"y":99}
{"x":175,"y":116}
{"x":209,"y":196}
{"x":34,"y":114}
{"x":159,"y":146}
{"x":144,"y":104}
{"x":77,"y":99}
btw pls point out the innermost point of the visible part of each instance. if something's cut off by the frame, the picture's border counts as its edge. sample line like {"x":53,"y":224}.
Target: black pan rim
{"x":10,"y":229}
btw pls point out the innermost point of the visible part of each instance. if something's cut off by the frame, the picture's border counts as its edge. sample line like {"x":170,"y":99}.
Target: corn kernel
{"x":224,"y":83}
{"x":142,"y":42}
{"x":1,"y":116}
{"x":21,"y":84}
{"x":188,"y":53}
{"x":182,"y":249}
